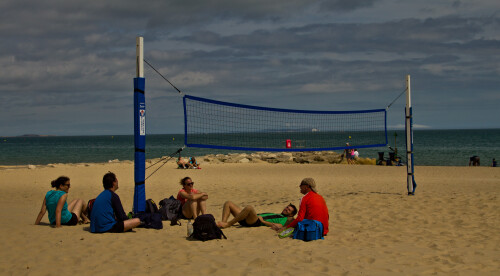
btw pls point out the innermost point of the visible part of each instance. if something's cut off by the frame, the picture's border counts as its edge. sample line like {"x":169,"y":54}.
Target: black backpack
{"x":170,"y":209}
{"x":205,"y":228}
{"x":150,"y":220}
{"x":151,"y":206}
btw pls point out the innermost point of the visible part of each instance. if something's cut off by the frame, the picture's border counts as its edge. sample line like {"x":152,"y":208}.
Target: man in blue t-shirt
{"x":107,"y":213}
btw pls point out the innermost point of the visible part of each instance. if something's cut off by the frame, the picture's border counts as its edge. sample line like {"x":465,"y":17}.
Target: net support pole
{"x":139,"y":130}
{"x":410,"y":180}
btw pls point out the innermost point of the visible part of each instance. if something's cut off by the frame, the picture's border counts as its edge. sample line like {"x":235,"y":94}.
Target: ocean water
{"x":431,"y":148}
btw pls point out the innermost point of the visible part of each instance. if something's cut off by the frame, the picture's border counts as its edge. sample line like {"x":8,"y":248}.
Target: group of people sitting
{"x":350,"y":154}
{"x":107,"y":213}
{"x":190,"y":163}
{"x":312,"y":206}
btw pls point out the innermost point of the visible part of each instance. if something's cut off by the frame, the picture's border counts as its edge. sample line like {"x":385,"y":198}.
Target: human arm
{"x":117,"y":206}
{"x":272,"y":225}
{"x":193,"y":196}
{"x":59,"y":207}
{"x":42,"y":212}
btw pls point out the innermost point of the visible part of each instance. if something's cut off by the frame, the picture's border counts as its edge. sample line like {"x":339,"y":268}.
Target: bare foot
{"x":84,"y":221}
{"x":222,"y":224}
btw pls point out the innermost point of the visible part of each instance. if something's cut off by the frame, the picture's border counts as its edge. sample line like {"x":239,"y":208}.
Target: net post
{"x":410,"y":179}
{"x":139,"y":130}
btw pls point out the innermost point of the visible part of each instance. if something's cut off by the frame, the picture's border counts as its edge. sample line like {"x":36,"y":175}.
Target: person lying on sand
{"x":248,"y":217}
{"x":181,"y":163}
{"x":312,"y":206}
{"x":60,"y":212}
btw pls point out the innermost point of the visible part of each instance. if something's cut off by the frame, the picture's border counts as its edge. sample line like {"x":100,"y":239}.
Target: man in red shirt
{"x":312,"y":206}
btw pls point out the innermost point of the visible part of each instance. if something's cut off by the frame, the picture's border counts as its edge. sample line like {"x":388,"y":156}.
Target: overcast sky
{"x":68,"y":66}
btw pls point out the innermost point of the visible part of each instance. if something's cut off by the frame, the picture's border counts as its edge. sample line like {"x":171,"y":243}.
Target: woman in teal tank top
{"x":60,"y":212}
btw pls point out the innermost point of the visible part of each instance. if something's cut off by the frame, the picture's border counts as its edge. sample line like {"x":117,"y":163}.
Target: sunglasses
{"x":67,"y":185}
{"x":189,"y":184}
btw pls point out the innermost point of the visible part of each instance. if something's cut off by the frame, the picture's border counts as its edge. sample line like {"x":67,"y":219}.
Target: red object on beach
{"x":288,"y":143}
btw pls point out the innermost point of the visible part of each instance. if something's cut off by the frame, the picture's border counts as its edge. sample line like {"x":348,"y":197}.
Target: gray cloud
{"x":68,"y":65}
{"x":429,"y":35}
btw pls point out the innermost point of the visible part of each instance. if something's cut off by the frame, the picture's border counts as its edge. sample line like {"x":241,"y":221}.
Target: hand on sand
{"x":276,"y":227}
{"x":222,"y":224}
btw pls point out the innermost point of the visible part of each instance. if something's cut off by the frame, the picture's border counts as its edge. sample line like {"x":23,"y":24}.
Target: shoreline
{"x":366,"y":162}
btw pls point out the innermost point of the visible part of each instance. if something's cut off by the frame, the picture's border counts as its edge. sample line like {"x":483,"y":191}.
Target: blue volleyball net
{"x":222,"y":125}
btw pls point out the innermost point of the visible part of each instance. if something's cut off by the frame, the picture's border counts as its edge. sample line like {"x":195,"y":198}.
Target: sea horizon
{"x":80,"y":135}
{"x":432,"y":147}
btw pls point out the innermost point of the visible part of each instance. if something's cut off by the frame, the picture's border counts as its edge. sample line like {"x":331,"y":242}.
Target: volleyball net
{"x":222,"y":125}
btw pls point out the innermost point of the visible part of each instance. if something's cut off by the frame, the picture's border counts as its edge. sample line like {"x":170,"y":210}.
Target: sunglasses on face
{"x":189,"y":184}
{"x":67,"y":185}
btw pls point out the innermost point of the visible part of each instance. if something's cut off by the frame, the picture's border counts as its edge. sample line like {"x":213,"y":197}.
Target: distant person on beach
{"x":189,"y":164}
{"x":193,"y":164}
{"x":60,"y":212}
{"x":248,"y":217}
{"x":107,"y":212}
{"x":181,"y":163}
{"x":494,"y":163}
{"x":348,"y":153}
{"x":356,"y":154}
{"x":474,"y":161}
{"x":312,"y":206}
{"x":193,"y":201}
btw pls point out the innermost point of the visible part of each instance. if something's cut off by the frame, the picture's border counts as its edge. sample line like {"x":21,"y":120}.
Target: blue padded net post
{"x":140,"y":145}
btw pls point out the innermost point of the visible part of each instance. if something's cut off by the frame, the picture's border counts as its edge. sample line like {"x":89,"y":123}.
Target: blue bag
{"x":308,"y":230}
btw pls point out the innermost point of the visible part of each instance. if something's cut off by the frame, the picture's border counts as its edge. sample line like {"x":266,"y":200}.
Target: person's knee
{"x":203,"y":198}
{"x":135,"y":222}
{"x":131,"y":223}
{"x":249,"y":209}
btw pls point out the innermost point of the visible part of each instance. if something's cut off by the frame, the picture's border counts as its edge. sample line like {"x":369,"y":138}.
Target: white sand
{"x":451,"y":226}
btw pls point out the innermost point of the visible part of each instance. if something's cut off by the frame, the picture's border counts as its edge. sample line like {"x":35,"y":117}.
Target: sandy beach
{"x":451,"y":226}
